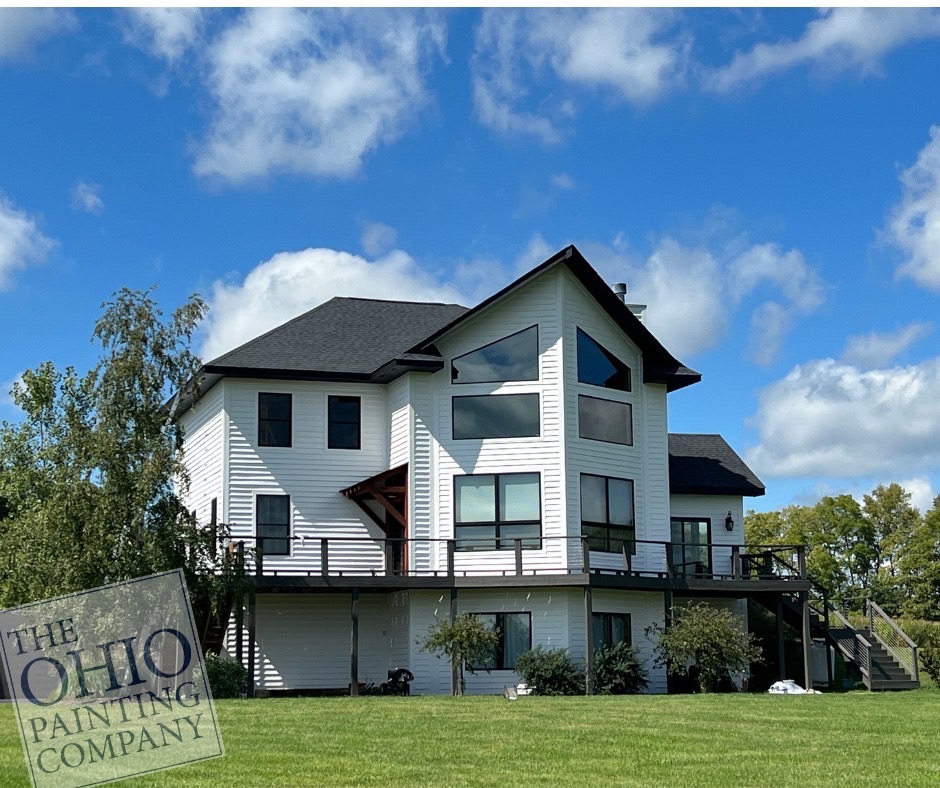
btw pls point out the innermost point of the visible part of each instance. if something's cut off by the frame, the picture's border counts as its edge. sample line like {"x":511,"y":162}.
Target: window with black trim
{"x":274,"y":419}
{"x":607,"y":513}
{"x":344,"y":422}
{"x":691,"y":548}
{"x":609,"y":629}
{"x":496,"y":416}
{"x":514,"y":631}
{"x":515,"y":357}
{"x":605,"y":420}
{"x":272,"y":524}
{"x":492,"y":510}
{"x":597,"y":366}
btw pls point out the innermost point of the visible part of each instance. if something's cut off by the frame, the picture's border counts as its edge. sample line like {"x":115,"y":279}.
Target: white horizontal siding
{"x":203,"y":426}
{"x":399,"y":420}
{"x":432,"y":673}
{"x":308,"y":471}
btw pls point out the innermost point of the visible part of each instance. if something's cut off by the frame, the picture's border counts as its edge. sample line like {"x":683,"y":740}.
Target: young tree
{"x":466,"y":642}
{"x":92,"y":476}
{"x":709,"y":638}
{"x":919,"y":568}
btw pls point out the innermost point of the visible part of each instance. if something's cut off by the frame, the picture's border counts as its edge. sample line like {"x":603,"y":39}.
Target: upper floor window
{"x":605,"y":420}
{"x":607,"y":515}
{"x":272,"y":521}
{"x":597,"y":366}
{"x":514,"y":637}
{"x":274,"y":419}
{"x":515,"y":357}
{"x":492,"y":510}
{"x":496,"y":416}
{"x":344,"y":422}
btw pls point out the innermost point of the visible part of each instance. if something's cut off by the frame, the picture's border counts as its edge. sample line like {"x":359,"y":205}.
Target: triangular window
{"x":515,"y":357}
{"x":597,"y":366}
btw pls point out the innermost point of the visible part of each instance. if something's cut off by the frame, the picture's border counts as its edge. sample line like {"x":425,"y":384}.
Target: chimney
{"x":620,"y":290}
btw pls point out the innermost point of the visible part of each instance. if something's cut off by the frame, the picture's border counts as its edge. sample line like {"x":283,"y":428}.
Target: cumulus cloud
{"x":22,"y":29}
{"x":87,"y":197}
{"x":874,"y":350}
{"x":377,"y":238}
{"x":163,"y":32}
{"x":21,"y":241}
{"x":312,"y":92}
{"x":291,"y":283}
{"x":914,"y":224}
{"x":838,"y":39}
{"x":921,"y":490}
{"x":830,"y":418}
{"x":630,"y":54}
{"x":694,"y":291}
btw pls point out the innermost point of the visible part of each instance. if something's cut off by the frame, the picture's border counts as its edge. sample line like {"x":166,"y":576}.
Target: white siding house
{"x":391,"y":463}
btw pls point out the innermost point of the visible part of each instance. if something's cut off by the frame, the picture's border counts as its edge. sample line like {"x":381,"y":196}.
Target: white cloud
{"x":563,"y":182}
{"x":312,"y":92}
{"x":830,"y":418}
{"x":22,"y":29}
{"x":377,"y":238}
{"x":290,"y":283}
{"x":623,"y":52}
{"x":21,"y":241}
{"x":87,"y":197}
{"x":921,"y":490}
{"x":693,"y":292}
{"x":873,"y":351}
{"x":164,"y":32}
{"x":838,"y":39}
{"x":914,"y":224}
{"x":6,"y":394}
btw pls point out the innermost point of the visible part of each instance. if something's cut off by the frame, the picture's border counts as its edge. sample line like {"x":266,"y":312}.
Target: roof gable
{"x":707,"y":465}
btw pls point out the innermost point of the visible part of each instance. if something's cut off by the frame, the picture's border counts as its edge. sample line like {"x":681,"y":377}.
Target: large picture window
{"x":691,"y":551}
{"x":597,"y":366}
{"x":605,"y":420}
{"x":515,"y":357}
{"x":609,"y":629}
{"x":274,"y":419}
{"x":344,"y":427}
{"x":272,"y":521}
{"x":607,"y":514}
{"x":514,"y":631}
{"x":496,"y":416}
{"x":491,"y":511}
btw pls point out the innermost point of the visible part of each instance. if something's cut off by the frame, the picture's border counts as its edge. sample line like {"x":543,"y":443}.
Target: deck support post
{"x":781,"y":651}
{"x":589,"y":640}
{"x":807,"y":641}
{"x":454,"y":688}
{"x":252,"y":637}
{"x":354,"y":645}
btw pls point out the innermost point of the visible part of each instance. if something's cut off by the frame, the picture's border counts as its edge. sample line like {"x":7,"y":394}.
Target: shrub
{"x":618,"y":671}
{"x":227,"y":678}
{"x":550,"y":672}
{"x":926,"y":634}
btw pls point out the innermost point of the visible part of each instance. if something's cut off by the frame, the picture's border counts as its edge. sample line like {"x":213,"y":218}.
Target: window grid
{"x":272,"y":535}
{"x":344,"y":422}
{"x":506,"y":652}
{"x":603,"y":535}
{"x":504,"y":531}
{"x":275,"y":413}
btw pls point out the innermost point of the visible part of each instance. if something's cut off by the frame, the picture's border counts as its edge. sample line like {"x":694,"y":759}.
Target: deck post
{"x":517,"y":544}
{"x":451,"y":549}
{"x":252,"y":636}
{"x":736,"y":562}
{"x":807,"y":641}
{"x":354,"y":655}
{"x":585,"y":555}
{"x":588,"y":640}
{"x":453,"y":617}
{"x":781,"y":651}
{"x":324,"y":557}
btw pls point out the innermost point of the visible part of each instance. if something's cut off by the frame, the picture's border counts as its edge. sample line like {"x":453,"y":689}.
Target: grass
{"x":853,"y":739}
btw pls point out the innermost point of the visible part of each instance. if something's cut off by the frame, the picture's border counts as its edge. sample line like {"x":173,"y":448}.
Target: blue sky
{"x":768,"y":182}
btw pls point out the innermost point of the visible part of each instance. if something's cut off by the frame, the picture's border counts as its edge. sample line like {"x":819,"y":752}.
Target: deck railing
{"x":901,"y":647}
{"x":531,"y":556}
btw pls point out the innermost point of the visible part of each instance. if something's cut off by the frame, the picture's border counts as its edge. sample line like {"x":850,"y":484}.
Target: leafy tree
{"x":713,"y":639}
{"x":919,"y":568}
{"x":93,"y":474}
{"x":466,"y":642}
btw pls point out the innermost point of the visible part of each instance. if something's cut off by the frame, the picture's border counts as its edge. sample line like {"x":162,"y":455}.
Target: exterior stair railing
{"x":898,"y":644}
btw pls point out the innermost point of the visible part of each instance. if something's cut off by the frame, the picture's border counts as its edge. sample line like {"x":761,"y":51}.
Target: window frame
{"x":608,"y":525}
{"x":496,"y":524}
{"x":538,"y":370}
{"x":612,"y":357}
{"x":289,"y":525}
{"x":500,"y":650}
{"x":682,"y":547}
{"x":628,"y":405}
{"x":264,"y":420}
{"x":453,"y":416}
{"x":330,"y":421}
{"x":608,"y":620}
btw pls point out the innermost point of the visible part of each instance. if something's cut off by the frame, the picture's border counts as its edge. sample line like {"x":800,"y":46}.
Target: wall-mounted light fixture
{"x":729,"y":522}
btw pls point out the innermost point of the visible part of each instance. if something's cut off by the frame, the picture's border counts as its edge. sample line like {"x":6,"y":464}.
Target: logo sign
{"x":109,"y":683}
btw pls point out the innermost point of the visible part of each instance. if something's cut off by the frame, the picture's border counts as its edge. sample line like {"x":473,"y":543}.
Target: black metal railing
{"x":898,"y":644}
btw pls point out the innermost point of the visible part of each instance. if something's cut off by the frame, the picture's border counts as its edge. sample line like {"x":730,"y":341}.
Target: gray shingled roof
{"x":350,"y":336}
{"x":707,"y":465}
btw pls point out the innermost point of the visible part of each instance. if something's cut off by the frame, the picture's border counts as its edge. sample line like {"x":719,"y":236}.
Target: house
{"x":394,"y":462}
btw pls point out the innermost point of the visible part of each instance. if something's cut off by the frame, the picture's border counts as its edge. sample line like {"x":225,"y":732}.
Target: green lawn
{"x":748,"y":740}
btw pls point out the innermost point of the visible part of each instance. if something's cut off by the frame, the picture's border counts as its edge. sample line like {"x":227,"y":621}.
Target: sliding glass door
{"x":691,"y":554}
